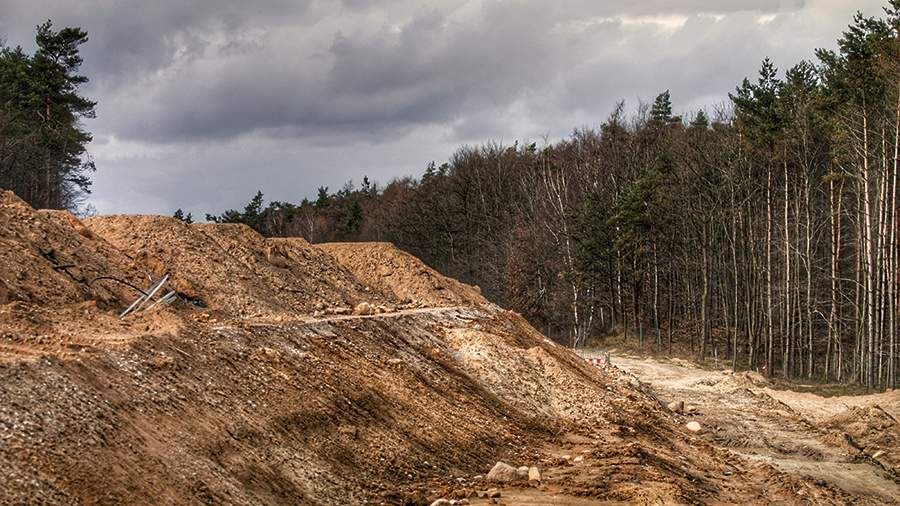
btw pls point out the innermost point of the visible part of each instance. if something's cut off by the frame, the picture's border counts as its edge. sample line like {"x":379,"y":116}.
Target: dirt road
{"x":849,"y":442}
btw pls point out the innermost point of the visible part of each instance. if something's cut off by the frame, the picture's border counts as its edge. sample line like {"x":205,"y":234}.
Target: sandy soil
{"x":287,"y":373}
{"x":849,"y":442}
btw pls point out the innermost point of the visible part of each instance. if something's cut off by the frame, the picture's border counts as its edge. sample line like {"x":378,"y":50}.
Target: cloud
{"x":208,"y":100}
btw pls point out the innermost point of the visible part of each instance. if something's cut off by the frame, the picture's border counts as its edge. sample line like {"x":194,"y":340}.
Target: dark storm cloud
{"x":209,"y":99}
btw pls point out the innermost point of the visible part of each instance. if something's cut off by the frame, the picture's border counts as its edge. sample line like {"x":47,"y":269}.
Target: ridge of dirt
{"x":279,"y":390}
{"x":389,"y":270}
{"x":232,"y":268}
{"x":49,"y":257}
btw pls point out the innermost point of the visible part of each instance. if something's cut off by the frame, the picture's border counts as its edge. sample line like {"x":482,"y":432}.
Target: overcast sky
{"x":202,"y":102}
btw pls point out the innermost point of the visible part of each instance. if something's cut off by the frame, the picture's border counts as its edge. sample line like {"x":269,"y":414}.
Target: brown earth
{"x":265,"y":395}
{"x":389,"y":270}
{"x":847,"y":442}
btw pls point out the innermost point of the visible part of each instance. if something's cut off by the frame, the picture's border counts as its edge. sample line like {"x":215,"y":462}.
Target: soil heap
{"x":247,"y":392}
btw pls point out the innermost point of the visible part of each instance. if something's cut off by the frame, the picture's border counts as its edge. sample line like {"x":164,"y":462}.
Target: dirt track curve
{"x":850,"y":442}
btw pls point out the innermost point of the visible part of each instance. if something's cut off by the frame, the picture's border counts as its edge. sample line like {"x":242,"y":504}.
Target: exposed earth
{"x":288,"y":373}
{"x":850,"y":442}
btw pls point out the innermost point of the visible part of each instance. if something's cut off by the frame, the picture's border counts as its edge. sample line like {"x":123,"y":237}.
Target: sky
{"x":201,"y":103}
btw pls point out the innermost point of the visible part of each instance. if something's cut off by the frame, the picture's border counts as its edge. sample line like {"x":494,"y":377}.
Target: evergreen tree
{"x":46,"y":162}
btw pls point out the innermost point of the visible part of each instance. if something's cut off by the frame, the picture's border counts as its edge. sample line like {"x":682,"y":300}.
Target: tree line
{"x":43,"y":145}
{"x":765,"y":232}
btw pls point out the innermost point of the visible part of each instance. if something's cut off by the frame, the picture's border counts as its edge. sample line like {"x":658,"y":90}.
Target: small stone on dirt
{"x":442,"y":502}
{"x":676,"y":406}
{"x":693,"y":426}
{"x":492,"y":493}
{"x":502,"y":472}
{"x":522,"y":471}
{"x":534,"y":474}
{"x":363,"y":308}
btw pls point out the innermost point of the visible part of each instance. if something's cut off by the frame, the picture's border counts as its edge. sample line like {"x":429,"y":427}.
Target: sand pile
{"x":312,"y":266}
{"x":530,"y":371}
{"x":203,"y":405}
{"x":873,"y":430}
{"x":385,"y":268}
{"x":49,"y":257}
{"x":229,"y":267}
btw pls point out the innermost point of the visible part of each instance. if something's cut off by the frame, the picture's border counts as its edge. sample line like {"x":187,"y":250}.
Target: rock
{"x":676,"y":406}
{"x":442,"y":502}
{"x":320,"y":306}
{"x":579,"y":458}
{"x":690,"y":409}
{"x":693,"y":426}
{"x":502,"y":472}
{"x":363,"y":308}
{"x":492,"y":493}
{"x":878,"y":454}
{"x":534,"y":474}
{"x":522,"y":471}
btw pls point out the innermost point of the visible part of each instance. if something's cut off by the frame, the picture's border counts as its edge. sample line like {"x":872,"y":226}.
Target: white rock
{"x":522,"y":471}
{"x":502,"y":472}
{"x":534,"y":474}
{"x":693,"y":426}
{"x":363,"y":308}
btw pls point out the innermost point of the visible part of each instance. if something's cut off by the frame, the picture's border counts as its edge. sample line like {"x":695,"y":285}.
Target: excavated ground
{"x":847,"y":442}
{"x":264,"y":385}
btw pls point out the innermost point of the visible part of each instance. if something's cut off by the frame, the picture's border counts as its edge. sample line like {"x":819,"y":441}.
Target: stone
{"x":676,"y":406}
{"x":363,"y":308}
{"x":579,"y":458}
{"x":693,"y":426}
{"x":522,"y":471}
{"x":534,"y":474}
{"x":492,"y":493}
{"x":442,"y":502}
{"x":502,"y":472}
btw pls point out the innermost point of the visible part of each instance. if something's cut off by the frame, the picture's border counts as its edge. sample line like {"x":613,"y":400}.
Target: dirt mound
{"x":530,"y":372}
{"x":315,"y":265}
{"x":49,"y":257}
{"x":385,"y":268}
{"x":873,"y":431}
{"x":231,"y":402}
{"x":740,"y":380}
{"x":230,"y":267}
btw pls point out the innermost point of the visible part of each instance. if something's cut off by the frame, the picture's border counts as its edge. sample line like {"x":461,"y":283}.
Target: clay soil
{"x":260,"y":386}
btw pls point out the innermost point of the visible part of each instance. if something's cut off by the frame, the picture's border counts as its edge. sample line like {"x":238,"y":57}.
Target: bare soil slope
{"x":230,"y":267}
{"x":261,"y":397}
{"x":389,"y":270}
{"x":49,"y":257}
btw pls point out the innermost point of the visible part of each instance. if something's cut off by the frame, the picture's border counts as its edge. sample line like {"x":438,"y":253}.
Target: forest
{"x":763,"y":233}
